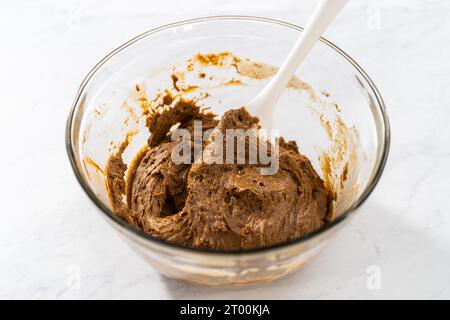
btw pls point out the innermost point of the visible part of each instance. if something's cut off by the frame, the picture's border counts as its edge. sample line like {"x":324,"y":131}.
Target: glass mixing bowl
{"x":342,"y":113}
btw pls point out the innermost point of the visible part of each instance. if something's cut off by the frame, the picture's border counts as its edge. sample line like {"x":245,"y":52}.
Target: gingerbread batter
{"x":219,"y":206}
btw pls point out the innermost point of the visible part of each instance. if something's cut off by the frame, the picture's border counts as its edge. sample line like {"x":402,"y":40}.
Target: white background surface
{"x":49,"y":228}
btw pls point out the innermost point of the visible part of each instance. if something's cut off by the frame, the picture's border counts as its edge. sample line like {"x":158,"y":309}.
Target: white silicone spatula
{"x":264,"y":103}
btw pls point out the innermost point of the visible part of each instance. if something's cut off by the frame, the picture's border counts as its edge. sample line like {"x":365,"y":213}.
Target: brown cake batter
{"x":219,"y":206}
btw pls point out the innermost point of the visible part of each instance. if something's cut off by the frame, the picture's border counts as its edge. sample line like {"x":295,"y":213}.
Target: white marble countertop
{"x":51,"y":231}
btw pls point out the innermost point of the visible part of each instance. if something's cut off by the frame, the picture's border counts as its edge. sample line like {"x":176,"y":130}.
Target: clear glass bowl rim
{"x":148,"y":237}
